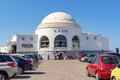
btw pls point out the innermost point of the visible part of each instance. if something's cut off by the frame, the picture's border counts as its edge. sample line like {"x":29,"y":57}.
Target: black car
{"x":23,"y":64}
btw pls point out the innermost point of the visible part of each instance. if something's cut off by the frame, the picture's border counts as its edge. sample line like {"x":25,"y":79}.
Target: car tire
{"x":87,"y":73}
{"x":113,"y":78}
{"x":97,"y":76}
{"x":3,"y":76}
{"x":20,"y":70}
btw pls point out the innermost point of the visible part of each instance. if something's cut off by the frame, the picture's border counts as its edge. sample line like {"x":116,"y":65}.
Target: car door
{"x":93,"y":66}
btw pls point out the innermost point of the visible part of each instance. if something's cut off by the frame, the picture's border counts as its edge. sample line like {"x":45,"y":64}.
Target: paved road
{"x":57,"y":70}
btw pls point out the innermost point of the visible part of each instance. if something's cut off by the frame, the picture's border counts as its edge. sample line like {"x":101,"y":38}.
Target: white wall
{"x":93,"y":44}
{"x":105,"y":43}
{"x":14,"y":38}
{"x":100,"y":43}
{"x":27,"y":44}
{"x":4,"y":49}
{"x":51,"y":33}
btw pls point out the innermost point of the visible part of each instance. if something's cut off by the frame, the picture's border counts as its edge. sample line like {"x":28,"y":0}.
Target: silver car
{"x":8,"y":67}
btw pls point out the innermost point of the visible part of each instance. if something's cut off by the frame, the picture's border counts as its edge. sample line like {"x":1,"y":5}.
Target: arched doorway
{"x":60,"y":41}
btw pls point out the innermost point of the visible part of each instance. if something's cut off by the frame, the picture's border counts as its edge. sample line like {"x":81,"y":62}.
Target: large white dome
{"x":58,"y":19}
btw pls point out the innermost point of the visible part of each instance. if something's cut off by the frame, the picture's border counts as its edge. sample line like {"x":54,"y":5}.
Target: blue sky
{"x":95,"y":16}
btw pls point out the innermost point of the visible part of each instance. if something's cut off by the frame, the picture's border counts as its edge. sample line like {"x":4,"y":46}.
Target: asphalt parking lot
{"x":56,"y":70}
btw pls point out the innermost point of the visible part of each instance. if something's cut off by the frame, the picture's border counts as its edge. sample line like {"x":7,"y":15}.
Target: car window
{"x":1,"y":59}
{"x":16,"y":58}
{"x":110,"y":59}
{"x":95,"y":60}
{"x":21,"y":59}
{"x":6,"y":58}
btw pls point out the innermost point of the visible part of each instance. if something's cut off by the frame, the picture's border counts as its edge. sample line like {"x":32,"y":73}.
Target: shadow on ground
{"x":22,"y":77}
{"x":25,"y":75}
{"x":34,"y":73}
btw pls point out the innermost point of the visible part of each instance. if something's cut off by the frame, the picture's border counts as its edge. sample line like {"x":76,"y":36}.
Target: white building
{"x":58,"y":33}
{"x":3,"y":49}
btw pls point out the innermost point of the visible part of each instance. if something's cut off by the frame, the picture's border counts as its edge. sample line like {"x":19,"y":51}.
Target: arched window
{"x":44,"y":43}
{"x":60,"y":41}
{"x":75,"y":42}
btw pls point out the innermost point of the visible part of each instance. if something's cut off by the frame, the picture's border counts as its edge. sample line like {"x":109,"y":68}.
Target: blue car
{"x":23,"y":64}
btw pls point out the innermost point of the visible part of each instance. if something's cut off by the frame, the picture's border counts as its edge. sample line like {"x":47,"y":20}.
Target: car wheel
{"x":3,"y":76}
{"x":113,"y":78}
{"x":20,"y":70}
{"x":97,"y":76}
{"x":87,"y":73}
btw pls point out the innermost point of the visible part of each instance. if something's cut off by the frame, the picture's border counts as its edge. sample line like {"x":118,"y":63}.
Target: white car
{"x":8,"y":67}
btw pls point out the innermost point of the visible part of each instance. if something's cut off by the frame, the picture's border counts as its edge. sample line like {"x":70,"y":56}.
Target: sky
{"x":94,"y":16}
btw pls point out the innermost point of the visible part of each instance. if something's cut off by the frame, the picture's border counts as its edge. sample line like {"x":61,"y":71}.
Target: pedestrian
{"x":48,"y":57}
{"x":55,"y":57}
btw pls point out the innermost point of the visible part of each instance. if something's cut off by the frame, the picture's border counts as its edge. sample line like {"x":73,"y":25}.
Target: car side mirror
{"x":118,"y":65}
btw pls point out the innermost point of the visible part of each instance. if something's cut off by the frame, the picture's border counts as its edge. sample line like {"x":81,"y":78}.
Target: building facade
{"x":3,"y":49}
{"x":58,"y":33}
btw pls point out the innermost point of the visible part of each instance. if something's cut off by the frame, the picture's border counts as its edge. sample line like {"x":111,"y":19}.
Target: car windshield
{"x":110,"y":59}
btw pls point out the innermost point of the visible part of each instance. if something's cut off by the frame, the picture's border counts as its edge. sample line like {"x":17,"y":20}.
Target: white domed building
{"x":58,"y":33}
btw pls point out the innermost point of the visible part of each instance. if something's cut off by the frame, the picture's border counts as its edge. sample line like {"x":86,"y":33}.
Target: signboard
{"x":27,"y":43}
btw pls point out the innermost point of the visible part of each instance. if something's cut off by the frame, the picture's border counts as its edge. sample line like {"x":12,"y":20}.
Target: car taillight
{"x":103,"y":69}
{"x":11,"y":64}
{"x":29,"y":62}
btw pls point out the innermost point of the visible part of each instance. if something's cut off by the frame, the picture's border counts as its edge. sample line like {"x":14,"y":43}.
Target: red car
{"x":101,"y":66}
{"x":81,"y":56}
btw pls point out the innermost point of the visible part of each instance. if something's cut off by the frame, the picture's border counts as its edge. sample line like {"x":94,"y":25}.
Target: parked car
{"x":81,"y":56}
{"x":8,"y":67}
{"x":6,"y":72}
{"x":3,"y":76}
{"x":32,"y":56}
{"x":87,"y":58}
{"x":24,"y":56}
{"x":101,"y":66}
{"x":23,"y":64}
{"x":115,"y":75}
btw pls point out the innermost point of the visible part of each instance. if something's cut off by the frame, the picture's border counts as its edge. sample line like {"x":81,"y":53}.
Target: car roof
{"x":18,"y":57}
{"x":117,"y":54}
{"x":106,"y":55}
{"x":4,"y":54}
